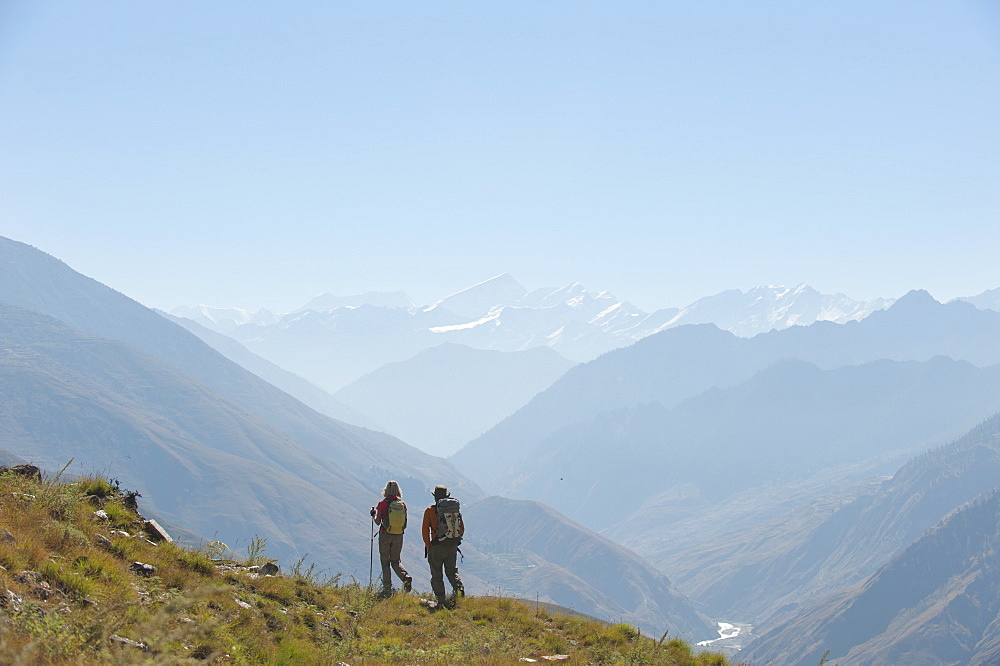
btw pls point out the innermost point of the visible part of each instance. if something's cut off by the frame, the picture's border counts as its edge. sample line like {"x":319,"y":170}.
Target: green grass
{"x":68,"y":596}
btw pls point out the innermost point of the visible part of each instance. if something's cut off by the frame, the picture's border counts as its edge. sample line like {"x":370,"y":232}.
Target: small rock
{"x":121,"y":533}
{"x":101,"y":514}
{"x":28,"y":577}
{"x":556,"y":657}
{"x":242,"y":604}
{"x":128,"y":642}
{"x":15,"y":602}
{"x":103,"y":541}
{"x":7,"y":537}
{"x":269,"y":569}
{"x":142,"y":568}
{"x":43,"y":590}
{"x":156,"y":531}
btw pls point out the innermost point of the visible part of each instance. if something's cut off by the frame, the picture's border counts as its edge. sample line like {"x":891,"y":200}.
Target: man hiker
{"x":442,"y":531}
{"x":390,"y":515}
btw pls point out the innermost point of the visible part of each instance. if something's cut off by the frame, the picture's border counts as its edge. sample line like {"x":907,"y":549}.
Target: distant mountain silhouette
{"x":988,"y":300}
{"x":789,"y":421}
{"x":446,"y":395}
{"x":335,"y":340}
{"x":682,"y":362}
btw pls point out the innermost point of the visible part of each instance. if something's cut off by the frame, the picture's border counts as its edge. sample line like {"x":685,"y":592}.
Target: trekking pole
{"x":371,"y":556}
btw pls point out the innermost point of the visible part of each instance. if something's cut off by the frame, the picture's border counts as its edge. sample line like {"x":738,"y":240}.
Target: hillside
{"x":33,"y":280}
{"x":203,"y":462}
{"x":221,"y":451}
{"x":198,"y":459}
{"x":836,"y":540}
{"x":82,"y":584}
{"x":550,"y":557}
{"x":935,"y":603}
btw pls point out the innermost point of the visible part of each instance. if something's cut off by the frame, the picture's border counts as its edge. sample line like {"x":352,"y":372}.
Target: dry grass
{"x":69,"y":595}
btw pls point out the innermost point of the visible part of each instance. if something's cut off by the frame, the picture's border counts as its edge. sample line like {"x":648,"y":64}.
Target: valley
{"x":693,"y":480}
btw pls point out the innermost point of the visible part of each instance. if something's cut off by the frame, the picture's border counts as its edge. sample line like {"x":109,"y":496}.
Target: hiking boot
{"x":407,"y":585}
{"x":385,"y":593}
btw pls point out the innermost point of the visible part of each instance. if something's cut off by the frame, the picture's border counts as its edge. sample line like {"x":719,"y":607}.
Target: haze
{"x":255,"y":154}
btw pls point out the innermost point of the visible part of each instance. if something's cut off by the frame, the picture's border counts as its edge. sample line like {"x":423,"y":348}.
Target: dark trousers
{"x":390,"y":546}
{"x":444,"y":556}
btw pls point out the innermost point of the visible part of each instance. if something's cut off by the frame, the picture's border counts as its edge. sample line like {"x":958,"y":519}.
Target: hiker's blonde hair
{"x":392,"y":490}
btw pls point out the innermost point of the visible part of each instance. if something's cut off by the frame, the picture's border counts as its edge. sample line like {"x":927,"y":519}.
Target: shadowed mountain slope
{"x":36,"y":281}
{"x":196,"y":457}
{"x":595,"y":575}
{"x":837,"y":540}
{"x":936,"y":603}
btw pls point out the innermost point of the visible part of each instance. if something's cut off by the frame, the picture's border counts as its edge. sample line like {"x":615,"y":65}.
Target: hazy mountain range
{"x":373,"y":351}
{"x":683,"y":362}
{"x":94,"y":377}
{"x":788,"y":421}
{"x":334,"y":340}
{"x":814,"y":481}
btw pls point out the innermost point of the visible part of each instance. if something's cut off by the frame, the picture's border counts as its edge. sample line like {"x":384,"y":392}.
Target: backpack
{"x":395,"y":521}
{"x":450,"y":527}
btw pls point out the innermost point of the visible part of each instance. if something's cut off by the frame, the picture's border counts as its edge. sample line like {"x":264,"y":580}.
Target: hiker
{"x":442,"y":531}
{"x":390,"y":516}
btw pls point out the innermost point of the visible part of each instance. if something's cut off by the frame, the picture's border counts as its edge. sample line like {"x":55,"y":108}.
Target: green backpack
{"x":395,"y":522}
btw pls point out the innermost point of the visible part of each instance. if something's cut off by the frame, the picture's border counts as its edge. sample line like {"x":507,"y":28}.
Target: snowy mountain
{"x":471,"y":303}
{"x":224,"y":320}
{"x":765,"y":309}
{"x":333,"y":340}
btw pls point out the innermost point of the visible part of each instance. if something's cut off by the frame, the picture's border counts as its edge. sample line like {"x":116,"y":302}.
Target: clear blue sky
{"x":257,"y":153}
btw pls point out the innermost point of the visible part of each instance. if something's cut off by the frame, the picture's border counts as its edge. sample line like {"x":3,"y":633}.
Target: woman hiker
{"x":390,"y":516}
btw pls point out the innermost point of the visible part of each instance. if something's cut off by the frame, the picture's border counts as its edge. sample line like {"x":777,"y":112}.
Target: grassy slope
{"x":69,"y":595}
